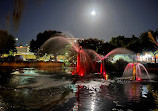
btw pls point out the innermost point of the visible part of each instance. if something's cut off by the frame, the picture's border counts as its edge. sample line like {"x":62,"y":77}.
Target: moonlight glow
{"x":93,"y":12}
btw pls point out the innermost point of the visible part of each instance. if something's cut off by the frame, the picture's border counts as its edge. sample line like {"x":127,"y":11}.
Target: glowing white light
{"x":147,"y":55}
{"x":93,"y":12}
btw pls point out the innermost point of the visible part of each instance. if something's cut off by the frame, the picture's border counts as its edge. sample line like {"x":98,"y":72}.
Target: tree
{"x":145,"y":42}
{"x":153,"y":36}
{"x":7,"y":42}
{"x":119,"y":41}
{"x":91,"y":43}
{"x":120,"y":66}
{"x":134,"y":44}
{"x":106,"y":48}
{"x":55,"y":45}
{"x":42,"y":38}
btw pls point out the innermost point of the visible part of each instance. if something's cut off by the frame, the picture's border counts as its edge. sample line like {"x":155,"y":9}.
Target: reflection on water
{"x":42,"y":89}
{"x":144,"y":91}
{"x":133,"y":91}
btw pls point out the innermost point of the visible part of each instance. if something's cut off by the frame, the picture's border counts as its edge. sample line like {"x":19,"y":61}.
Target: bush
{"x":120,"y":65}
{"x":109,"y":66}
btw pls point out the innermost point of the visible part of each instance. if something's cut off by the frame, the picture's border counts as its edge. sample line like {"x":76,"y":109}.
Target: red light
{"x":81,"y":87}
{"x":132,"y":65}
{"x":105,"y":77}
{"x":73,"y":73}
{"x":138,"y":79}
{"x":81,"y":74}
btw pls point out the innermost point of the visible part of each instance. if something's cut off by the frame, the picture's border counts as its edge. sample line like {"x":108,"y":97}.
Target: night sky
{"x":113,"y":17}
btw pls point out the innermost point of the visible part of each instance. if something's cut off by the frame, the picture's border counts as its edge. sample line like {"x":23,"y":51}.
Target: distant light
{"x":93,"y":12}
{"x":147,"y":55}
{"x":16,"y":39}
{"x":138,"y":79}
{"x":81,"y":74}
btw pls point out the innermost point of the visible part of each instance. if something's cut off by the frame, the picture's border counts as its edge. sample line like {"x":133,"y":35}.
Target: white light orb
{"x":16,"y":39}
{"x":93,"y":12}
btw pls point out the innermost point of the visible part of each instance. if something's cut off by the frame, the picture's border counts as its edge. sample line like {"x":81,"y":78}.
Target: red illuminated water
{"x":86,"y":58}
{"x":119,"y":51}
{"x":141,"y":72}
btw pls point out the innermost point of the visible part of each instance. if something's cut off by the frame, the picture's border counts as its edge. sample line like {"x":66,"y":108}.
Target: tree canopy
{"x":106,"y":48}
{"x":41,"y":38}
{"x":147,"y":41}
{"x":137,"y":44}
{"x":7,"y":42}
{"x":91,"y":43}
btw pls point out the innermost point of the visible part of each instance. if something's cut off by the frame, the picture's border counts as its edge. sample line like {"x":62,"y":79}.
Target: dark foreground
{"x":29,"y":89}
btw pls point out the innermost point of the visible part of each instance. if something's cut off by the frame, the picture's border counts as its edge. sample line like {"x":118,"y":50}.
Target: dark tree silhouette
{"x":134,"y":44}
{"x":7,"y":42}
{"x":145,"y":43}
{"x":40,"y":39}
{"x":106,"y":48}
{"x":119,"y":41}
{"x":91,"y":43}
{"x":137,"y":44}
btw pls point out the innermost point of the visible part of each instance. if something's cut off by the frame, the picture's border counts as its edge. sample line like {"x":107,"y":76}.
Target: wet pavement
{"x":30,"y":89}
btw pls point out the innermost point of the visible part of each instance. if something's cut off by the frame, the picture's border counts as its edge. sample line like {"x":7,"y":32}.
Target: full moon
{"x":93,"y":12}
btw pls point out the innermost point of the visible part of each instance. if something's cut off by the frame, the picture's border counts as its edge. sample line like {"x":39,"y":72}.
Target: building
{"x":25,"y":53}
{"x":148,"y":57}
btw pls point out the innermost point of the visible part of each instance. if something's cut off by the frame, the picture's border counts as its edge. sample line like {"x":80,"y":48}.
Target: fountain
{"x":80,"y":69}
{"x":86,"y":58}
{"x":133,"y":71}
{"x":102,"y":67}
{"x":119,"y":51}
{"x":57,"y":45}
{"x":113,"y":52}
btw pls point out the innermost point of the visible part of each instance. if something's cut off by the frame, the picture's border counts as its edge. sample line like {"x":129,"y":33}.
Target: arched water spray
{"x":119,"y":51}
{"x":84,"y":62}
{"x":113,"y":52}
{"x":133,"y":71}
{"x":86,"y":57}
{"x":57,"y":44}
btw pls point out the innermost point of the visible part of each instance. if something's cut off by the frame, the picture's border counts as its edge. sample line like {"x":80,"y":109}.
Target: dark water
{"x":30,"y":89}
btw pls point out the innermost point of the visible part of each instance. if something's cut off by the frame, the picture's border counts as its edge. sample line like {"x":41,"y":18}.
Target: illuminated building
{"x":25,"y":53}
{"x":148,"y":57}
